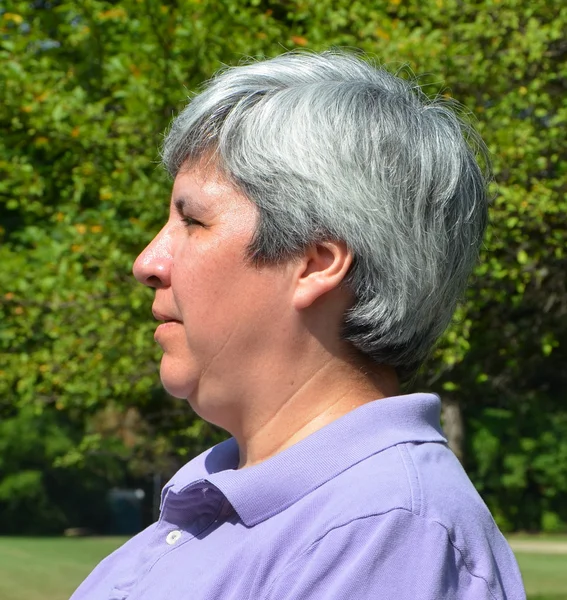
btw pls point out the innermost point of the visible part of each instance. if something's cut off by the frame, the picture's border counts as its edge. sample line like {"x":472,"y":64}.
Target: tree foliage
{"x":88,"y":88}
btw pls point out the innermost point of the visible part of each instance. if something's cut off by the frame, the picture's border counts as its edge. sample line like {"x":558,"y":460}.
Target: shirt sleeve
{"x":396,"y":556}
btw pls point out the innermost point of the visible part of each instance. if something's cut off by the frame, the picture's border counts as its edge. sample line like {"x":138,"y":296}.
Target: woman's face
{"x":221,"y":313}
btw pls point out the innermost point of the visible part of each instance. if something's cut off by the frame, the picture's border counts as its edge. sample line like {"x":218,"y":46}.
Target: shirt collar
{"x":263,"y":490}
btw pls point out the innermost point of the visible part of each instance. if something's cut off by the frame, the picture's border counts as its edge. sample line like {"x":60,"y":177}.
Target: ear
{"x":322,"y":269}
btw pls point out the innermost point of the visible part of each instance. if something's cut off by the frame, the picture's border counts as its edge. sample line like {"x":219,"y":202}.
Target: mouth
{"x":164,"y":318}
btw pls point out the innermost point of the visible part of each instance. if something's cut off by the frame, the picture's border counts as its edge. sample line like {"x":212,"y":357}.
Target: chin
{"x":173,"y":389}
{"x":176,"y":380}
{"x":180,"y":382}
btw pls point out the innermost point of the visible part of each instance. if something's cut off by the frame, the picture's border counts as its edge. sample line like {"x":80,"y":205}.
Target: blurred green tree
{"x":88,"y":88}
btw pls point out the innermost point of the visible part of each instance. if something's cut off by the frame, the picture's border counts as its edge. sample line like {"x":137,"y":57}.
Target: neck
{"x":335,"y":387}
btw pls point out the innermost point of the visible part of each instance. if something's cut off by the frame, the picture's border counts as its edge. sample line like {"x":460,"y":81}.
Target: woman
{"x":324,"y":218}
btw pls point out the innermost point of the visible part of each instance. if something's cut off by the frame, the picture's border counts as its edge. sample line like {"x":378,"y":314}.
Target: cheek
{"x":205,"y":287}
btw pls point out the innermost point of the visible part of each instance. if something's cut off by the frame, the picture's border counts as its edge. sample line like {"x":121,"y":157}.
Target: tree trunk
{"x":452,"y":419}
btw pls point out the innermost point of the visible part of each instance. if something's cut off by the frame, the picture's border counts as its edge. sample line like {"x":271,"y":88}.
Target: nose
{"x":153,"y":265}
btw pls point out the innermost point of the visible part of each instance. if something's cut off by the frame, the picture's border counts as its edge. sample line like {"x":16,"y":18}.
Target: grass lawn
{"x":48,"y":568}
{"x":51,"y":568}
{"x":537,"y":537}
{"x":545,"y":575}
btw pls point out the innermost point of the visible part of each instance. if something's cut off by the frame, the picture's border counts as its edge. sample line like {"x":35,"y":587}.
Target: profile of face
{"x":218,"y":309}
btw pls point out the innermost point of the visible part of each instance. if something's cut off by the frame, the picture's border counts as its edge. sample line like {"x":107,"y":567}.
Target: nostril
{"x":153,"y":281}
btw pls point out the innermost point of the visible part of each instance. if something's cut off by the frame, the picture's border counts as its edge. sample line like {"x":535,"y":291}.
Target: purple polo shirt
{"x":374,"y":505}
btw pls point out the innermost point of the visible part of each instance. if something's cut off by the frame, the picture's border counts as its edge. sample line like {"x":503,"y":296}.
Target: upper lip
{"x":159,"y":316}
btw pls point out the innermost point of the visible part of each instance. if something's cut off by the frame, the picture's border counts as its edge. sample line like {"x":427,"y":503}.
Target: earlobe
{"x":322,"y":269}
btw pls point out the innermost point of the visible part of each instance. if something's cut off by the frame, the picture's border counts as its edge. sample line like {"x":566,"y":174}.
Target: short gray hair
{"x":329,"y":146}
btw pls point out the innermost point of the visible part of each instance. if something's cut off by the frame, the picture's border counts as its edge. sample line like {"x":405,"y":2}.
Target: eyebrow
{"x":188,"y":203}
{"x":180,"y":203}
{"x":185,"y":204}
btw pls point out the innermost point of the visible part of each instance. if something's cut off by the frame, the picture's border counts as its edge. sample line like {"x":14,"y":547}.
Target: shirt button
{"x":172,"y":537}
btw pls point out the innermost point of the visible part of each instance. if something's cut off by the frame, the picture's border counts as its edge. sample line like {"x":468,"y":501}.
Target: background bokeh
{"x":86,"y":90}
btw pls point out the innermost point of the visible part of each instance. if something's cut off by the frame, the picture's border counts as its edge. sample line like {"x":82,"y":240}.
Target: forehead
{"x":207,"y":190}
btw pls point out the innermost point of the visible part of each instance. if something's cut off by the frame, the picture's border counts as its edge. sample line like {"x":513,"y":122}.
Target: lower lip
{"x":165,"y":327}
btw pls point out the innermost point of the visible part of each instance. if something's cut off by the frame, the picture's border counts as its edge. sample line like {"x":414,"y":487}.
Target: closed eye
{"x":189,"y":222}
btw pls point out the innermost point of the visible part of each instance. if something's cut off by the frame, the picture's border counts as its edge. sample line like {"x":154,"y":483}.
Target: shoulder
{"x":393,"y":555}
{"x":406,"y":520}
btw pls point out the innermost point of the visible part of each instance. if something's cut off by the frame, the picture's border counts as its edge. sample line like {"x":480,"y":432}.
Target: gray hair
{"x":329,"y":146}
